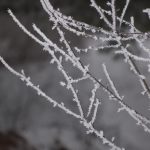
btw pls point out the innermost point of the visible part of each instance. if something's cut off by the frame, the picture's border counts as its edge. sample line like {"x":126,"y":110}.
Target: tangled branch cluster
{"x":68,"y":54}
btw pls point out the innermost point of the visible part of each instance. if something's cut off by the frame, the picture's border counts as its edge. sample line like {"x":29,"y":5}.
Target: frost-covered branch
{"x":135,"y":57}
{"x":92,"y":98}
{"x":124,"y":11}
{"x":111,"y":82}
{"x":29,"y":83}
{"x":89,"y":126}
{"x":77,"y":63}
{"x":67,"y":54}
{"x":135,"y":69}
{"x":101,"y":13}
{"x":97,"y":103}
{"x":141,"y":120}
{"x":68,"y":23}
{"x":113,"y":7}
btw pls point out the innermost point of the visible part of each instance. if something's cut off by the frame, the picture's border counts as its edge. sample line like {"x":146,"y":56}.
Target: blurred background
{"x":27,"y":119}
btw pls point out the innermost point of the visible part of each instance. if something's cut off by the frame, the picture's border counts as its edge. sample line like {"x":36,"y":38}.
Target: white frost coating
{"x":69,"y":23}
{"x":68,"y":78}
{"x":132,"y":27}
{"x":138,"y":58}
{"x":51,"y":53}
{"x":92,"y":98}
{"x":124,"y":11}
{"x":75,"y":61}
{"x":62,"y":83}
{"x":37,"y":89}
{"x":111,"y":82}
{"x":57,"y":49}
{"x":141,"y":120}
{"x":113,"y":15}
{"x":100,"y":134}
{"x":123,"y":21}
{"x":83,"y":121}
{"x":133,"y":68}
{"x":141,"y":45}
{"x":97,"y":103}
{"x":67,"y":54}
{"x":100,"y":11}
{"x":24,"y":29}
{"x":80,"y":79}
{"x":46,"y":45}
{"x":96,"y":48}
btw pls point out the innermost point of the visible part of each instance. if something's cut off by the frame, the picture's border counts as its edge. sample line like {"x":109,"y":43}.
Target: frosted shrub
{"x":122,"y":43}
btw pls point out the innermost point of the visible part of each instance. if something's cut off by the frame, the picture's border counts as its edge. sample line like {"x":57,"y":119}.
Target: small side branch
{"x":101,"y":13}
{"x":113,"y":7}
{"x":123,"y":12}
{"x":92,"y":98}
{"x":136,"y":71}
{"x":111,"y":82}
{"x":97,"y":103}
